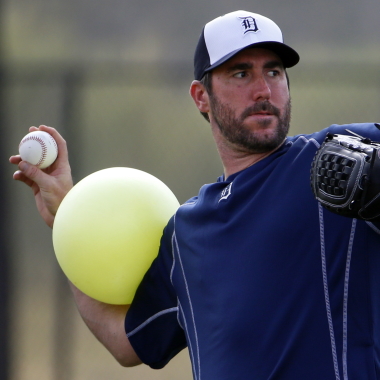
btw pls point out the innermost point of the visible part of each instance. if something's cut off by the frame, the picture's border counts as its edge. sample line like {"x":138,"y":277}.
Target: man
{"x":253,"y":275}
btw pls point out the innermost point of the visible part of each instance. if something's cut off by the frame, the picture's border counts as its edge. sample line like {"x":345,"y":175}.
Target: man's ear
{"x":200,"y":96}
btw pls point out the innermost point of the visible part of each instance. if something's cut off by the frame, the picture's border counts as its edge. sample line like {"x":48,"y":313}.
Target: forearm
{"x":106,"y":322}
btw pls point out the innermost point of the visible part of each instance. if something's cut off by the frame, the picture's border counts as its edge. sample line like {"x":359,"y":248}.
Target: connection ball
{"x":107,"y":231}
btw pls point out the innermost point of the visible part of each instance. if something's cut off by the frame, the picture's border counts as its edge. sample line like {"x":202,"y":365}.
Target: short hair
{"x":207,"y":83}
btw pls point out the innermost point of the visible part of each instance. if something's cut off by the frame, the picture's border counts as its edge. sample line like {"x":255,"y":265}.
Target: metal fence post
{"x":64,"y":307}
{"x":4,"y":236}
{"x":4,"y":219}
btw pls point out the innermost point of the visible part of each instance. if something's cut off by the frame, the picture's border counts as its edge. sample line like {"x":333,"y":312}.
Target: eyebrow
{"x":273,"y":64}
{"x":240,"y":66}
{"x":246,"y":65}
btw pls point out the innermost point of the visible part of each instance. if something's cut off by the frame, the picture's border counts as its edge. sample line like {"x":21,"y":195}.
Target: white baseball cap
{"x":226,"y":35}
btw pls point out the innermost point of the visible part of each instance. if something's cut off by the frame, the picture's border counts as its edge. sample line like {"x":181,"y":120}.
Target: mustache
{"x":264,"y":106}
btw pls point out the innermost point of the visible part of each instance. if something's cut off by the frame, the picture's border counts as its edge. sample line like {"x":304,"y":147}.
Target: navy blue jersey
{"x":260,"y":282}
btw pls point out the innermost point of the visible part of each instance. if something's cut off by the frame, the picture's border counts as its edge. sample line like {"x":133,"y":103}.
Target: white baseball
{"x":39,"y":148}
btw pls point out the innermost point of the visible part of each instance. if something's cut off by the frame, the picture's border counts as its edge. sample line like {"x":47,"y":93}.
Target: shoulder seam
{"x":313,"y":140}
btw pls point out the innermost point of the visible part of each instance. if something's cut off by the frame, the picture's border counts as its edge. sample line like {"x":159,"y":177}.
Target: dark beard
{"x":235,"y":132}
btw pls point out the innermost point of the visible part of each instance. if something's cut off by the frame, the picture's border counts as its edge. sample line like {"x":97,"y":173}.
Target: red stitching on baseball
{"x":43,"y":145}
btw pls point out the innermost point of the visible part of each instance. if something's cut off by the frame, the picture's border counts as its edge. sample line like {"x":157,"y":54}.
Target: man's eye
{"x":240,"y":74}
{"x":273,"y":73}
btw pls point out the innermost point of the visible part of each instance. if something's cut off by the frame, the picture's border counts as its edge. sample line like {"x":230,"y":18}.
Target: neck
{"x":234,"y":159}
{"x":237,"y":162}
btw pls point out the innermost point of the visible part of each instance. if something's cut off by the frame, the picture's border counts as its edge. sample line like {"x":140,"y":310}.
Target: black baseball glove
{"x":345,"y":176}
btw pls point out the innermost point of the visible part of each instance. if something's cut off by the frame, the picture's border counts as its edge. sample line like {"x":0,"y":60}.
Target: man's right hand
{"x":49,"y":185}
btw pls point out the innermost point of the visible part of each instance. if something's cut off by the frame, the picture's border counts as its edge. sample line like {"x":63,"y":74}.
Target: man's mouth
{"x":263,"y":113}
{"x":262,"y":109}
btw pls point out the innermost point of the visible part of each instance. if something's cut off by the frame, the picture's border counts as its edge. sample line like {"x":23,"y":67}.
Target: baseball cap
{"x":227,"y":35}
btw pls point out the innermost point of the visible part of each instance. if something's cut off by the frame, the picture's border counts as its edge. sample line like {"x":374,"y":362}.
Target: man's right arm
{"x":49,"y":187}
{"x":106,"y":322}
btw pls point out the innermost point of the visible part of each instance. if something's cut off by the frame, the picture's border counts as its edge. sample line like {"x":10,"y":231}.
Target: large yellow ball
{"x":107,"y":231}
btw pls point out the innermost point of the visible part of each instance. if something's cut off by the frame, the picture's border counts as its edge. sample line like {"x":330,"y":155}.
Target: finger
{"x":31,"y":173}
{"x":19,"y":176}
{"x":61,"y":143}
{"x":15,"y":159}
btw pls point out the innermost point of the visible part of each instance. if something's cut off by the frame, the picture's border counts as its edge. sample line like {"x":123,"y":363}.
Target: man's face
{"x":250,"y":101}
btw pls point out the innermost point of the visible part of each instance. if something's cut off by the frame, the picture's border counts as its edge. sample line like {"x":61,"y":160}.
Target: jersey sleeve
{"x":151,"y":323}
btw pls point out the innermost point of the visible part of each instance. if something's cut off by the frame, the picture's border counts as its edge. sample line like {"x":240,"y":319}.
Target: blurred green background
{"x":113,"y":77}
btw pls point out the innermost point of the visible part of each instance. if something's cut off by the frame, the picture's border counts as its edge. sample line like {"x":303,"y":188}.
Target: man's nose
{"x":261,"y":89}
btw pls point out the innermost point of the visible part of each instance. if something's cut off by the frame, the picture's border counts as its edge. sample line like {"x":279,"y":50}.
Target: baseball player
{"x":254,"y":274}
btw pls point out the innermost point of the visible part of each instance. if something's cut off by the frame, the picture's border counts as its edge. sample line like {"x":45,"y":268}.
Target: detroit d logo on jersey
{"x":226,"y":192}
{"x":249,"y":24}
